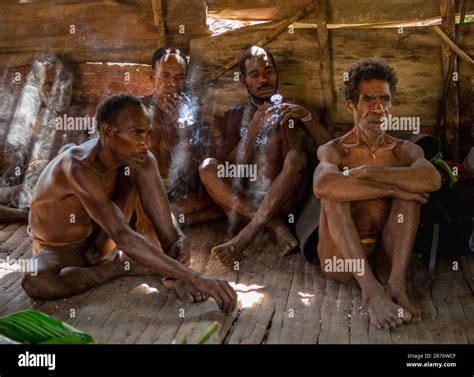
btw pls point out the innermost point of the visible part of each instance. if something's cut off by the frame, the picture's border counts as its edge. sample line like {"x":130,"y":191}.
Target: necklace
{"x":258,"y":106}
{"x":372,"y":152}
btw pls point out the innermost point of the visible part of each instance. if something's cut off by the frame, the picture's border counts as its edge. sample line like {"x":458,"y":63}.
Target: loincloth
{"x":369,"y":244}
{"x":38,"y":243}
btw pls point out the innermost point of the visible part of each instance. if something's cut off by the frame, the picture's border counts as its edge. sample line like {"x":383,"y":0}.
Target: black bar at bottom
{"x":238,"y":360}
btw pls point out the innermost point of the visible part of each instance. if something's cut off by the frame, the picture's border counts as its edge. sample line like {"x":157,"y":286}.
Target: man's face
{"x":261,"y":78}
{"x":374,"y":103}
{"x":56,"y":86}
{"x":130,"y":140}
{"x":169,"y":75}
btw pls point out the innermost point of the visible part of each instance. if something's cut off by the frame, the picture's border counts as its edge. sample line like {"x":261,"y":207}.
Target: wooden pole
{"x":453,"y":46}
{"x":449,"y":105}
{"x":262,"y":42}
{"x":158,"y":22}
{"x":325,"y":64}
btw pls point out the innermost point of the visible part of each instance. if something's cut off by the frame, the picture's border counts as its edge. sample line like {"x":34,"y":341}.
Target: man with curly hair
{"x":371,"y":186}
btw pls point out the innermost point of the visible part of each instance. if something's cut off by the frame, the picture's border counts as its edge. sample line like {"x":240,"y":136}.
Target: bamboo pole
{"x":449,"y":105}
{"x":262,"y":42}
{"x":452,"y":45}
{"x":325,"y":64}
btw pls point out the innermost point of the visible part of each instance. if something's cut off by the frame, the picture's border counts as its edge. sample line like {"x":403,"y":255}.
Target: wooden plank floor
{"x":281,"y":300}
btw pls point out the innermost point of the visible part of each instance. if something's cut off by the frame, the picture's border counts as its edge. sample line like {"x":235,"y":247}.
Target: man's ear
{"x":242,"y":79}
{"x":349,"y":105}
{"x":151,"y":73}
{"x":108,"y":130}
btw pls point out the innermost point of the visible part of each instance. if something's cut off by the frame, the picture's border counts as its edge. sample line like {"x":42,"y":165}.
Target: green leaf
{"x":33,"y":327}
{"x":204,"y":337}
{"x":70,"y":339}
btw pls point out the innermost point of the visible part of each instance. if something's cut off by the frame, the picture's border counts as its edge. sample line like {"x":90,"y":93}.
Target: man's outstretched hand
{"x":219,"y":290}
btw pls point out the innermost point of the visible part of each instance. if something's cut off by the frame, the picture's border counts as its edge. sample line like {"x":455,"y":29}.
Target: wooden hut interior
{"x":430,"y":45}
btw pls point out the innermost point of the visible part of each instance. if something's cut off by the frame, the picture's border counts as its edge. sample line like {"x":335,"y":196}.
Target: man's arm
{"x":331,"y":184}
{"x":299,"y":110}
{"x":243,"y":152}
{"x":86,"y":185}
{"x":156,"y":206}
{"x":420,"y":176}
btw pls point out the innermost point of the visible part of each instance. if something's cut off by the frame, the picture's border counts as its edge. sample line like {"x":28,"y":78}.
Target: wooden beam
{"x":325,"y":65}
{"x":158,"y":22}
{"x":280,"y":28}
{"x":453,"y":45}
{"x":449,"y":105}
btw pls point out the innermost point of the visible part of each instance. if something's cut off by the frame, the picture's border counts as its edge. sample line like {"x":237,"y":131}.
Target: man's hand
{"x":289,"y":110}
{"x":219,"y":290}
{"x":359,"y":172}
{"x":259,"y":119}
{"x":181,"y":251}
{"x":169,"y":104}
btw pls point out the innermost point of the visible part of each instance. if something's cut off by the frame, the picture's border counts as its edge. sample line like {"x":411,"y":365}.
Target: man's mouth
{"x":265,"y":88}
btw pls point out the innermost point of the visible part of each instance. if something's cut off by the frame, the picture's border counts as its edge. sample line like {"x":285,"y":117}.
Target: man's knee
{"x":207,"y":168}
{"x":296,"y":160}
{"x":36,"y":286}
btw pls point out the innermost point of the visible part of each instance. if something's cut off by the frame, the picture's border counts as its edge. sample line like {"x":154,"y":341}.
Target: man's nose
{"x":378,"y":107}
{"x":263,"y":78}
{"x":173,"y":82}
{"x":145,"y":143}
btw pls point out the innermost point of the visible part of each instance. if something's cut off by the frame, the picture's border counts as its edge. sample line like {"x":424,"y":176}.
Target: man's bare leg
{"x":67,"y":271}
{"x":8,"y":214}
{"x":285,"y":183}
{"x":63,"y":272}
{"x":339,"y":237}
{"x":393,"y":260}
{"x":196,"y":209}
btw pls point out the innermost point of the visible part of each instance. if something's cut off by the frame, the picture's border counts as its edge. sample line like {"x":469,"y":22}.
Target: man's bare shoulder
{"x":234,"y":109}
{"x":405,"y":150}
{"x":77,"y":157}
{"x":331,"y":150}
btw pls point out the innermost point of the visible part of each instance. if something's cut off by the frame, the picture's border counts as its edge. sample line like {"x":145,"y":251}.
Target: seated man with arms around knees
{"x":371,"y":186}
{"x":82,"y":205}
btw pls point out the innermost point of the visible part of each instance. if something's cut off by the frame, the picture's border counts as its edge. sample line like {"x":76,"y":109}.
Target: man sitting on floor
{"x":82,"y":205}
{"x":371,"y":186}
{"x":271,"y":144}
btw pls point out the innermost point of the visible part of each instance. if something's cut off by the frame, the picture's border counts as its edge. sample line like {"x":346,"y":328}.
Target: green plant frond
{"x":34,"y":327}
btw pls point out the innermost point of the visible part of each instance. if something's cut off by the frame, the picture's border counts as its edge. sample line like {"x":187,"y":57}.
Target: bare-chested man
{"x":44,"y":121}
{"x":371,"y":186}
{"x":269,"y":140}
{"x":82,"y":205}
{"x":177,"y":140}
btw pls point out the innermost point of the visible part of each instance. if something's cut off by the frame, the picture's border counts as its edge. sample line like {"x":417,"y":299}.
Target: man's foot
{"x":384,"y":313}
{"x":185,"y":291}
{"x":285,"y":239}
{"x":399,"y":295}
{"x":230,"y":252}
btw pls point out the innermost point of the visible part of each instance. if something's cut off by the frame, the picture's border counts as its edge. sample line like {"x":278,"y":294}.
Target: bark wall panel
{"x":339,"y":11}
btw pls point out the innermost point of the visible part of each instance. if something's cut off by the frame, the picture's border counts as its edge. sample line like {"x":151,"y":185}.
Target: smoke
{"x":32,"y":135}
